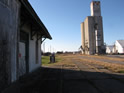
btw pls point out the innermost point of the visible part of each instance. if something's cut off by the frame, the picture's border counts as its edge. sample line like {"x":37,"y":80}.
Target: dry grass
{"x":66,"y":61}
{"x":111,"y":66}
{"x":105,"y":57}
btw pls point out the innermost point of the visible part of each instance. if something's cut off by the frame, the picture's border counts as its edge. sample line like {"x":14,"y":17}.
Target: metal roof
{"x":33,"y":14}
{"x":121,"y":42}
{"x":110,"y":47}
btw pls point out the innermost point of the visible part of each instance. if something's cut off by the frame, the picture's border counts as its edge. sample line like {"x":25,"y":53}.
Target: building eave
{"x":33,"y":14}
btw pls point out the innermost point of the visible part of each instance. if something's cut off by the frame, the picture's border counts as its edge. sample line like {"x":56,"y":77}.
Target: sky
{"x":62,"y":19}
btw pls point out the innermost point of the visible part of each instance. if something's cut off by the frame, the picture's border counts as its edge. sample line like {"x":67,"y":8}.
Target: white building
{"x":109,"y":49}
{"x":119,"y":46}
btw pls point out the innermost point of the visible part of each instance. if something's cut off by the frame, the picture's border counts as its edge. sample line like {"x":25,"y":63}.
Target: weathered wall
{"x":86,"y":33}
{"x":95,"y":8}
{"x":98,"y":20}
{"x":32,"y":54}
{"x":82,"y":37}
{"x":92,"y":39}
{"x":32,"y":50}
{"x":89,"y":34}
{"x":9,"y":18}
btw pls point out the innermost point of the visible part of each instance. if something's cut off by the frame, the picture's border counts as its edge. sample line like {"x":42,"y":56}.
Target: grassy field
{"x":67,"y":60}
{"x":46,"y":60}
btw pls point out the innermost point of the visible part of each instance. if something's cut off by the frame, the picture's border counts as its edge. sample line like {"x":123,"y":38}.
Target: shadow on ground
{"x":51,"y":80}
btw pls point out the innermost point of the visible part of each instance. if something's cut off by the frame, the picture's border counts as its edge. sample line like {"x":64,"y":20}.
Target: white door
{"x":22,"y":58}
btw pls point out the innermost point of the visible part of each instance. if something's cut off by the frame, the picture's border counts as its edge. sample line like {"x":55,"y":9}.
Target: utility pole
{"x":50,"y":48}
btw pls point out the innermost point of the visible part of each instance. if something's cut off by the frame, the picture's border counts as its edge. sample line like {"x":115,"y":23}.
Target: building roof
{"x":110,"y":47}
{"x":38,"y":23}
{"x":121,"y":42}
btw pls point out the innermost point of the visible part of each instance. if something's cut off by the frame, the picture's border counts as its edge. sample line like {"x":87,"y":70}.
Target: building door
{"x":23,"y":54}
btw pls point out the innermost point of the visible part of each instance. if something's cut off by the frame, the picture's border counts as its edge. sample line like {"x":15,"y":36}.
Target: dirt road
{"x":72,"y":75}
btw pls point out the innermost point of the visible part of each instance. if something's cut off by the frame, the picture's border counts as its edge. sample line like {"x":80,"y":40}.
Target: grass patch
{"x":121,"y":71}
{"x":46,"y":60}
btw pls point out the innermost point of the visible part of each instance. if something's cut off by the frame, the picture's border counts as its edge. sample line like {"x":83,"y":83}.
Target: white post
{"x":97,"y":42}
{"x":44,"y":47}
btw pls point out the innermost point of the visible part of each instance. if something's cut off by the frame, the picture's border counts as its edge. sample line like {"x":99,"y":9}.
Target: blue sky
{"x":62,"y":18}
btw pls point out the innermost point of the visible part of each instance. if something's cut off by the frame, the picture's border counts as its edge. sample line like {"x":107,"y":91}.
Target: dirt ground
{"x":75,"y":74}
